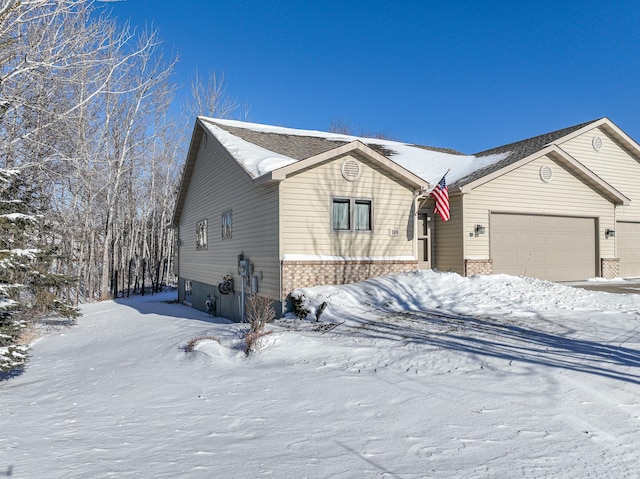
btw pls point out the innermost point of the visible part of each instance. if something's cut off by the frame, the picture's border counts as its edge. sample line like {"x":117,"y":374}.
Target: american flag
{"x":441,"y":195}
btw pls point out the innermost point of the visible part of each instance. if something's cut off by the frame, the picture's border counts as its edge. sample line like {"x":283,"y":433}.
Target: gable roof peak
{"x":539,"y":140}
{"x":513,"y":152}
{"x":425,"y":162}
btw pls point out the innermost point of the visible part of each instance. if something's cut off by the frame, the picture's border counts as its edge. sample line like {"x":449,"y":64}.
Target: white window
{"x":202,"y":234}
{"x":188,"y":291}
{"x":227,"y":224}
{"x":350,"y":214}
{"x":341,"y":214}
{"x":362,"y":215}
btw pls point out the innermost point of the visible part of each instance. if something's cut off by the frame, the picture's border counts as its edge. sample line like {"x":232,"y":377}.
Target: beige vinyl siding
{"x":613,"y":164}
{"x":523,"y":191}
{"x":219,"y":184}
{"x":447,"y":238}
{"x":627,"y":235}
{"x":306,"y":205}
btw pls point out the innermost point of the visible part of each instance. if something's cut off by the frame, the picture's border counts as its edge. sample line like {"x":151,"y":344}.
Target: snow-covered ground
{"x":425,"y":375}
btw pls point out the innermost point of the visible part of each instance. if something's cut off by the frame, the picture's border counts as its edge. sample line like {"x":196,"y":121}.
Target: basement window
{"x":188,"y":291}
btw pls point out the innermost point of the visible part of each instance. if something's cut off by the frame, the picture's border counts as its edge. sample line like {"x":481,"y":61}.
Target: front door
{"x":424,"y":241}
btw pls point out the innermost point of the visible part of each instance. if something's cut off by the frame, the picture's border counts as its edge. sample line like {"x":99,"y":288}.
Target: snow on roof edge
{"x":429,"y":165}
{"x":256,"y":160}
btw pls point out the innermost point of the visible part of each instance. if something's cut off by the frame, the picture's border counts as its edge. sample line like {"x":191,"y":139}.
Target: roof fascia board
{"x":199,"y":131}
{"x":581,"y":131}
{"x":194,"y":146}
{"x":503,"y":171}
{"x":629,"y":142}
{"x":590,"y":178}
{"x":355,"y":146}
{"x":204,"y":120}
{"x":612,"y":128}
{"x":578,"y":169}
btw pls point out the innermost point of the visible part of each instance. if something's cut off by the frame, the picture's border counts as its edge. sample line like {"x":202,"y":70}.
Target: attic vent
{"x":350,"y":169}
{"x":597,"y":143}
{"x":546,"y":173}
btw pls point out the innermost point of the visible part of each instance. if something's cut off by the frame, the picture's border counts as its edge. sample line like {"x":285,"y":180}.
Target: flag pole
{"x":441,"y":194}
{"x":428,"y":193}
{"x":433,"y":187}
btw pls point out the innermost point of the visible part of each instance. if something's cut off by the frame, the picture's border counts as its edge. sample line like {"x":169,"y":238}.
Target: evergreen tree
{"x":29,"y":287}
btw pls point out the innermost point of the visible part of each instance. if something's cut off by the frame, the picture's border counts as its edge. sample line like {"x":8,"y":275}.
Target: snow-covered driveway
{"x":427,"y":375}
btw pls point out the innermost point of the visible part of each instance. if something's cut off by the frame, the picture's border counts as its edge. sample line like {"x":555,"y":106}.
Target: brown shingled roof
{"x":517,"y":151}
{"x":293,"y":146}
{"x":300,"y":147}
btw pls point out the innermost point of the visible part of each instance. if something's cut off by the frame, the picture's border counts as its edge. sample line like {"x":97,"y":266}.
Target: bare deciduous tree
{"x":84,"y":114}
{"x":341,"y":126}
{"x":209,"y":97}
{"x":83,"y":109}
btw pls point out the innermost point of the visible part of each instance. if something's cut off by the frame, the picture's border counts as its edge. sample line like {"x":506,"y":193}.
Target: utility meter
{"x":243,"y":269}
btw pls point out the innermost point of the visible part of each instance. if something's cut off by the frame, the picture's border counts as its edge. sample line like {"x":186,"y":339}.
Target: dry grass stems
{"x":193,"y":342}
{"x":258,"y":313}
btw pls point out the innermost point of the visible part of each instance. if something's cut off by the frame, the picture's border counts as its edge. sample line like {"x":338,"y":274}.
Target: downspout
{"x":242,"y":301}
{"x":465,"y":240}
{"x":416,"y":195}
{"x":176,"y":251}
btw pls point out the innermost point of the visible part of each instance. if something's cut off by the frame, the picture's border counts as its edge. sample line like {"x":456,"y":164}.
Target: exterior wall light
{"x":479,"y":230}
{"x":609,"y":233}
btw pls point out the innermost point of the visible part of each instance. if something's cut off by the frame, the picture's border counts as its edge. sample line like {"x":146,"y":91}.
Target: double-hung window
{"x":350,"y":214}
{"x":226,"y":224}
{"x":362,"y":215}
{"x":202,"y":234}
{"x":341,"y":214}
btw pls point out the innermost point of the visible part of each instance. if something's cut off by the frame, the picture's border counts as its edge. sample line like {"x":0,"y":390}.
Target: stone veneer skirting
{"x":478,"y":266}
{"x":610,"y":267}
{"x":308,"y":273}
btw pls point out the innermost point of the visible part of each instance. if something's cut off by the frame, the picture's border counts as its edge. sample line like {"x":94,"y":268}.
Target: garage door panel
{"x":628,"y":242}
{"x":522,"y":239}
{"x":549,"y":247}
{"x":552,"y":256}
{"x":553,"y":239}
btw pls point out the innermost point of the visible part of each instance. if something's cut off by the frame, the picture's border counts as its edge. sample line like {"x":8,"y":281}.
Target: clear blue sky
{"x":468,"y":75}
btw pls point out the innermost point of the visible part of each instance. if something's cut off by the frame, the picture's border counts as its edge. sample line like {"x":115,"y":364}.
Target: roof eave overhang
{"x":578,"y":169}
{"x":612,"y":129}
{"x":194,"y":144}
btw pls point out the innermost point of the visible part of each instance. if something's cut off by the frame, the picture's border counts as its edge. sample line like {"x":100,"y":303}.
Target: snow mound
{"x":495,"y":295}
{"x":420,"y":374}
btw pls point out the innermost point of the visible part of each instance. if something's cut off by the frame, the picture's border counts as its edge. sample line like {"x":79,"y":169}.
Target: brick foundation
{"x":610,"y":267}
{"x":478,"y":266}
{"x":304,"y":274}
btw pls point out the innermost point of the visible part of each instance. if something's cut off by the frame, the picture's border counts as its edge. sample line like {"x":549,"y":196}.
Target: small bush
{"x":13,"y":355}
{"x":193,"y":342}
{"x":298,"y":306}
{"x":13,"y":358}
{"x":258,"y":313}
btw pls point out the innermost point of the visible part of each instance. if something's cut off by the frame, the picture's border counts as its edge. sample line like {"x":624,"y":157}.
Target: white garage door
{"x":556,"y":248}
{"x":628,"y":243}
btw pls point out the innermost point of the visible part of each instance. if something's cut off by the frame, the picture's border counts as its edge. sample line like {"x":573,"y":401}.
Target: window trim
{"x":202,"y":235}
{"x":226,"y":224}
{"x":341,"y":200}
{"x":352,"y":208}
{"x":368,"y":202}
